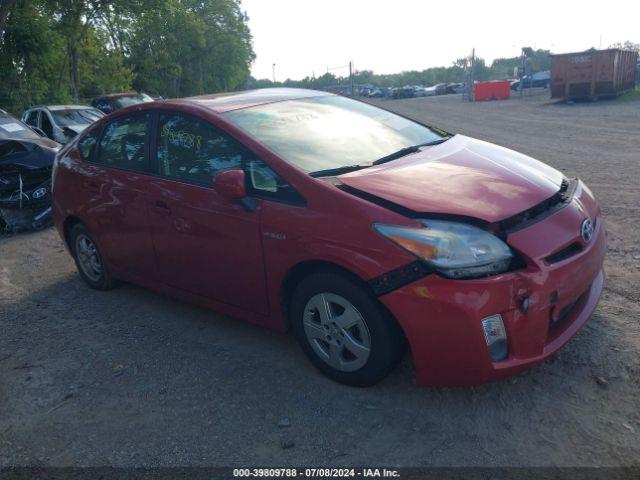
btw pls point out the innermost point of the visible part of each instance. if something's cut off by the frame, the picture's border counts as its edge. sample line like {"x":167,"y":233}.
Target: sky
{"x":307,"y":37}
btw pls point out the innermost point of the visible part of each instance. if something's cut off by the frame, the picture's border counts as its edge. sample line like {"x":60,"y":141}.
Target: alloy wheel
{"x":88,"y":257}
{"x":337,"y":332}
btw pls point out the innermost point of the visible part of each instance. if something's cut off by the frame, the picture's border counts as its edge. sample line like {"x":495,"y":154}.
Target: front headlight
{"x":456,"y":250}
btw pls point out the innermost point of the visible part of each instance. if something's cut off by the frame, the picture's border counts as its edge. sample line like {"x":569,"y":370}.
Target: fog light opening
{"x":496,"y":337}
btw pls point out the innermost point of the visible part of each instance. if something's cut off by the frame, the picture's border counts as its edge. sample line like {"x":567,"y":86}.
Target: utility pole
{"x":522,"y":74}
{"x":274,"y":72}
{"x":471,"y":79}
{"x":351,"y":77}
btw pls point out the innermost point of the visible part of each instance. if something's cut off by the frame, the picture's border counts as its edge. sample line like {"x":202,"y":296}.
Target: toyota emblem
{"x":586,"y":230}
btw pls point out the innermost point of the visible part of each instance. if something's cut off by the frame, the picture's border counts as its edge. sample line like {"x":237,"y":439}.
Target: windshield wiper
{"x":330,"y":172}
{"x":408,"y":151}
{"x":400,"y":153}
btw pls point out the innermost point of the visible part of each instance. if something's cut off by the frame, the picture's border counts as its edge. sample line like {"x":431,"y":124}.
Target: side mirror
{"x":230,"y":184}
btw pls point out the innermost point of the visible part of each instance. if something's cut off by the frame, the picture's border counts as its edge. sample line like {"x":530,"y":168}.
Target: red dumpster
{"x":495,"y":90}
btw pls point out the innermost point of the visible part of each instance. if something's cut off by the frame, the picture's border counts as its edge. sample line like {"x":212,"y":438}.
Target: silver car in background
{"x":61,"y":122}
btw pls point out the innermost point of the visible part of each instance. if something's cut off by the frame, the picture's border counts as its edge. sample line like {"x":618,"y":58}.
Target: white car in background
{"x":61,"y":122}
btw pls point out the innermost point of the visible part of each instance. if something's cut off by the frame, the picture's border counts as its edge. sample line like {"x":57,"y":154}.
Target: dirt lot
{"x":129,"y":377}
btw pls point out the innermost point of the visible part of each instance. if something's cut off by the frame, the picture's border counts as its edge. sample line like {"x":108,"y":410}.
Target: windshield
{"x":323,"y":133}
{"x":122,"y":102}
{"x":13,"y":128}
{"x":84,"y":116}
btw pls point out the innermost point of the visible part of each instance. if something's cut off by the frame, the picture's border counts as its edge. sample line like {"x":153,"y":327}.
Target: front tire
{"x":89,"y":259}
{"x":345,"y":333}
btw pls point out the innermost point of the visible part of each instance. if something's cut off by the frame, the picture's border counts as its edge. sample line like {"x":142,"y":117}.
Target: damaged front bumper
{"x":25,"y":200}
{"x":541,"y":306}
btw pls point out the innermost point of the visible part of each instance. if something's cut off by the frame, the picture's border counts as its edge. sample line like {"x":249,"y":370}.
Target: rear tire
{"x":345,"y":333}
{"x":89,"y":259}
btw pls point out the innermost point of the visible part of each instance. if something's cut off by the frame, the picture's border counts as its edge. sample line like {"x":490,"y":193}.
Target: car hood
{"x":462,"y":176}
{"x":27,"y":154}
{"x":76,"y":127}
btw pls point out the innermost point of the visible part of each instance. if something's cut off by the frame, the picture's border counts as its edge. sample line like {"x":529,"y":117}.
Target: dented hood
{"x":461,"y":176}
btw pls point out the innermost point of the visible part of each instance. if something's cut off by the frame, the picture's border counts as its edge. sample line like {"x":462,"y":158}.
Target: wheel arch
{"x":302,"y":270}
{"x":67,"y":225}
{"x":308,"y":267}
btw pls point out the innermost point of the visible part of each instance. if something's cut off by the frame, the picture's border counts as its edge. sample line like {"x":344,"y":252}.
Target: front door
{"x":204,"y":244}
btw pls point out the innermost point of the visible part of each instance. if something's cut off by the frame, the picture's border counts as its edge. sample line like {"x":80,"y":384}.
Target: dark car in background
{"x":452,"y":88}
{"x":61,"y":122}
{"x":26,"y":161}
{"x":404,"y":92}
{"x":539,"y":79}
{"x":116,"y":101}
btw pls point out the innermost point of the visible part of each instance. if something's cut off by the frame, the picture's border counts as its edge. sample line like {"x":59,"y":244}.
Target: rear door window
{"x":123,"y":144}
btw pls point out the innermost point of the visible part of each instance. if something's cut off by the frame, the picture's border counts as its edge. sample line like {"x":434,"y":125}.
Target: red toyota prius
{"x":360,"y":230}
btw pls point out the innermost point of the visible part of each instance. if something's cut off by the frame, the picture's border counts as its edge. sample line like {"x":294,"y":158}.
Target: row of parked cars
{"x":539,"y":79}
{"x":411,"y":91}
{"x":408,"y":91}
{"x":28,"y":148}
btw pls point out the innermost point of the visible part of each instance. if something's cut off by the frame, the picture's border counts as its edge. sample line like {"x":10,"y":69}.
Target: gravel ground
{"x":129,"y":377}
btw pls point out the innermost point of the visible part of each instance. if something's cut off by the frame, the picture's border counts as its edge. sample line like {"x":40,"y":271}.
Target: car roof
{"x":226,"y":102}
{"x":54,"y":108}
{"x":69,"y":107}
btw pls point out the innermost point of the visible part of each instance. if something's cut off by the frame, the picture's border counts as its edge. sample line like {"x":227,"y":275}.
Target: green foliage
{"x":631,"y":96}
{"x":627,"y":46}
{"x":55,"y":51}
{"x":29,"y":58}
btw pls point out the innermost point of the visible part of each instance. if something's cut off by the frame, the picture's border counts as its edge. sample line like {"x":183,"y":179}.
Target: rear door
{"x":116,"y":185}
{"x":204,"y":243}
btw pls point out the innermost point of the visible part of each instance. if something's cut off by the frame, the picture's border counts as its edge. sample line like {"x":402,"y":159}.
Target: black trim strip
{"x":394,"y":207}
{"x":399,"y":277}
{"x":542,"y":210}
{"x":512,"y":224}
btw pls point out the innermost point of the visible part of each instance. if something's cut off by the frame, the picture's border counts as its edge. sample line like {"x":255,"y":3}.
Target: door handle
{"x":161,"y":207}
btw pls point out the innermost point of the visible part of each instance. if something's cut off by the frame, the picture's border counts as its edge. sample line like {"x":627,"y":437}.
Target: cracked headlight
{"x":455,"y":250}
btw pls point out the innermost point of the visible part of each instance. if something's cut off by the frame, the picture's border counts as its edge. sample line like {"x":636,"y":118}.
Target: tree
{"x":30,"y":59}
{"x":628,"y":45}
{"x":5,"y":8}
{"x":59,"y":50}
{"x":192,"y":47}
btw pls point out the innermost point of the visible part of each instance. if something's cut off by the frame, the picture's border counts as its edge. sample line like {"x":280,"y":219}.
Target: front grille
{"x":565,"y":253}
{"x":556,"y":326}
{"x":11,"y":193}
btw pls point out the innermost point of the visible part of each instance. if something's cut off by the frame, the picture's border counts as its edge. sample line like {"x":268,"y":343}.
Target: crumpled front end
{"x":25,"y":198}
{"x":541,"y":306}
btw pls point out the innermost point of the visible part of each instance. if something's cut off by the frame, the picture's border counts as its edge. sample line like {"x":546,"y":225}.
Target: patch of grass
{"x":633,"y":95}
